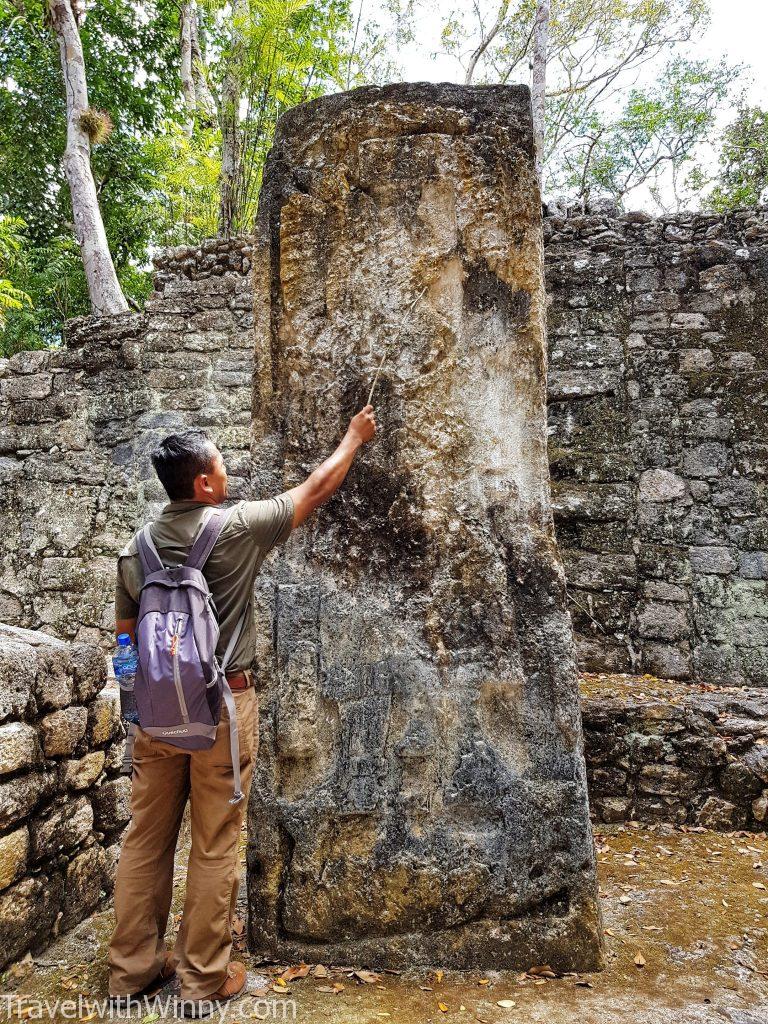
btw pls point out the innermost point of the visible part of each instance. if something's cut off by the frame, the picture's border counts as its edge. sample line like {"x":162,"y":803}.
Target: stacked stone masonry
{"x":77,"y":425}
{"x":657,"y":412}
{"x":678,"y":753}
{"x":658,"y":384}
{"x":63,"y":803}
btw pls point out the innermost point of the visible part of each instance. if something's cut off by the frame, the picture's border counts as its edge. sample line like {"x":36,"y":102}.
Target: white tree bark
{"x":205,"y":101}
{"x":197,"y":95}
{"x":229,"y":118}
{"x":188,"y":19}
{"x":539,"y":80}
{"x":103,"y":287}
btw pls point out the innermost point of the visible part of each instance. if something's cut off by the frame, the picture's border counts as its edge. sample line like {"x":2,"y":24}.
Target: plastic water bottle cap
{"x":124,"y":640}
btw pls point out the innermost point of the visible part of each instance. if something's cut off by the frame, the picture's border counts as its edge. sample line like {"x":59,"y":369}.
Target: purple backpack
{"x":179,"y":681}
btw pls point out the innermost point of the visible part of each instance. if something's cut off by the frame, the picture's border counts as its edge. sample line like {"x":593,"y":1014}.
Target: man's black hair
{"x":179,"y":458}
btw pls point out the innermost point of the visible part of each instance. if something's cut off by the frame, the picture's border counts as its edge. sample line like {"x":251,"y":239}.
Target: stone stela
{"x":420,"y":794}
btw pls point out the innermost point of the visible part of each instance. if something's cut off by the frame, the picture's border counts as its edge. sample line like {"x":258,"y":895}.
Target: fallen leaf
{"x":439,"y":975}
{"x":300,"y":971}
{"x":584,"y":984}
{"x":367,"y":976}
{"x":506,"y":1004}
{"x":624,"y":900}
{"x":483,"y":981}
{"x":544,"y":971}
{"x":238,"y":925}
{"x":319,"y":971}
{"x":639,"y":960}
{"x":758,"y":885}
{"x":281,"y":981}
{"x":442,"y":1008}
{"x":150,"y":1018}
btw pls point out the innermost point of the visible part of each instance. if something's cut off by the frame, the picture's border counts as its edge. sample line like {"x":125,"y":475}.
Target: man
{"x":193,"y":474}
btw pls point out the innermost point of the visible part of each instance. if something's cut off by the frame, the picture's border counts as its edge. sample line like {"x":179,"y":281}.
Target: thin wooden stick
{"x":383,"y":358}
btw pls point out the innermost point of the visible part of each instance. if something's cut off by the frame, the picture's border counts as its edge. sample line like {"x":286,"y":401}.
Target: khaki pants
{"x":163,"y":778}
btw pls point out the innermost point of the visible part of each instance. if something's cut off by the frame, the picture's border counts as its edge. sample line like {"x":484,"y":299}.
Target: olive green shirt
{"x":253,"y":529}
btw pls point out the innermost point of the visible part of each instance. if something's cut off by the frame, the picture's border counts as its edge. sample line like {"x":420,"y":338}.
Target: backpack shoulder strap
{"x":213,"y":524}
{"x":150,"y":560}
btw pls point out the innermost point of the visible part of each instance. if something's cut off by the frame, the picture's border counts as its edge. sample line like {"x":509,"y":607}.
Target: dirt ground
{"x":686,"y":928}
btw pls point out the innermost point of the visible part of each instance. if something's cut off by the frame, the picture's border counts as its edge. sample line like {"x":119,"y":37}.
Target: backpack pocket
{"x":172,"y":671}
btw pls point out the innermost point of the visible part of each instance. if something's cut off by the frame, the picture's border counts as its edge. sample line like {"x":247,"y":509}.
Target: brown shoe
{"x":232,"y":986}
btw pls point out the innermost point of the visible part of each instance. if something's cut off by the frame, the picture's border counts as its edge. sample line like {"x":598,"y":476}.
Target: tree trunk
{"x":205,"y":102}
{"x":229,"y":118}
{"x":485,"y":41}
{"x":539,"y":80}
{"x":103,"y":287}
{"x":188,"y":20}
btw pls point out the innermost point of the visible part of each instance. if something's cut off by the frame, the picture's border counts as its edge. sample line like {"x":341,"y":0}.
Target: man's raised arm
{"x":329,"y":476}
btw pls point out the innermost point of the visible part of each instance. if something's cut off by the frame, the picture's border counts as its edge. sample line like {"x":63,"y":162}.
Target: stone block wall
{"x":77,"y":425}
{"x":63,"y":803}
{"x":676,"y":753}
{"x":658,"y":407}
{"x":657,"y":416}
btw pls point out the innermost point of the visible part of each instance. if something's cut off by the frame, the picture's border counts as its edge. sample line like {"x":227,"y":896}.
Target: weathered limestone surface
{"x":57,"y":852}
{"x":421,"y":792}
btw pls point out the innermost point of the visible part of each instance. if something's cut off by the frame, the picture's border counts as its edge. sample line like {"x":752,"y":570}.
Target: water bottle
{"x":125,"y":661}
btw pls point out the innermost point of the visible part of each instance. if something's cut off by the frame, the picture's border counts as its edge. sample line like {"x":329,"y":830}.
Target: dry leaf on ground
{"x":298,"y":971}
{"x":369,"y":977}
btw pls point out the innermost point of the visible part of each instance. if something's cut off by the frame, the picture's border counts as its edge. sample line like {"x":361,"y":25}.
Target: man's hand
{"x":328,"y":477}
{"x":362,"y":427}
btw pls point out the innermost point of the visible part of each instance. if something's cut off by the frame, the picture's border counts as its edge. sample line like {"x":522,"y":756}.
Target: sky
{"x":738,"y":31}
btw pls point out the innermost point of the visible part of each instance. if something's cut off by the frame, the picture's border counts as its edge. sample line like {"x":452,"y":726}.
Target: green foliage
{"x":655,"y":137}
{"x":11,"y":297}
{"x":131,"y":60}
{"x":603,"y":134}
{"x":157,"y":184}
{"x":131,"y":57}
{"x":53,"y":278}
{"x":281,"y":52}
{"x":743,"y":173}
{"x":184,"y":184}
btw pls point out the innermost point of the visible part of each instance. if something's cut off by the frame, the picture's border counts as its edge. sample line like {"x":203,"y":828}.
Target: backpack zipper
{"x":177,"y":673}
